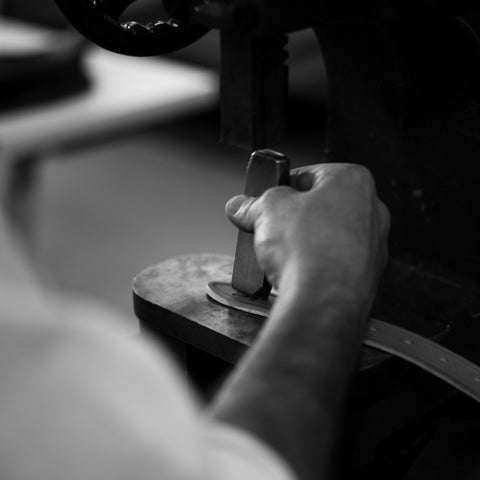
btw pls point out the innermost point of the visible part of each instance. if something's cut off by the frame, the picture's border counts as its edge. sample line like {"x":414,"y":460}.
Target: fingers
{"x":315,"y":176}
{"x":241,"y":212}
{"x":302,"y":179}
{"x":308,"y":177}
{"x":246,"y":212}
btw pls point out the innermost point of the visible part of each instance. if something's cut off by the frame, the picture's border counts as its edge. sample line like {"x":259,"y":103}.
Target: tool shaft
{"x":266,"y":169}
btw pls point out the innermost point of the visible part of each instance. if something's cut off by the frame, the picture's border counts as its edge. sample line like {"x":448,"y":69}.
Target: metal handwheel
{"x":99,"y":21}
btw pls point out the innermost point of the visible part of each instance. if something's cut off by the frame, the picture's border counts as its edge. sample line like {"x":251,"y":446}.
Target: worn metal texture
{"x":170,"y":298}
{"x":253,"y":89}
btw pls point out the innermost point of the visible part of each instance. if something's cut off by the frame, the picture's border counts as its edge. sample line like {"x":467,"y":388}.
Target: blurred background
{"x":119,"y":181}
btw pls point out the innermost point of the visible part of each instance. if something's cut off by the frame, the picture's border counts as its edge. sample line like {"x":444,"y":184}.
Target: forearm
{"x":290,"y":390}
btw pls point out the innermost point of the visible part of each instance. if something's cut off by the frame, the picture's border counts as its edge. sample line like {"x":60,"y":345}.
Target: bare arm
{"x":324,"y":246}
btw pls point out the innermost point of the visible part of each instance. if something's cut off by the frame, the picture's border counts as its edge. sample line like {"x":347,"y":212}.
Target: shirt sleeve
{"x":82,"y":403}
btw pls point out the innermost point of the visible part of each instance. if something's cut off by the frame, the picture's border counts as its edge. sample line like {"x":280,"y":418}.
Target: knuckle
{"x":274,"y":196}
{"x":245,"y":216}
{"x":359,"y":174}
{"x":265,"y":245}
{"x":359,"y":179}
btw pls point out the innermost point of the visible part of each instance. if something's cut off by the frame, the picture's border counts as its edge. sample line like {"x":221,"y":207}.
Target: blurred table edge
{"x":126,"y":94}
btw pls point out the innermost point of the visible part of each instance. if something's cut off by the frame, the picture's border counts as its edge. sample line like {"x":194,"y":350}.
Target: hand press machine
{"x":403,"y":100}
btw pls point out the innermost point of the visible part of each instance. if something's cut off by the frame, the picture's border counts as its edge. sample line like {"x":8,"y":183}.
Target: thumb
{"x":243,"y":211}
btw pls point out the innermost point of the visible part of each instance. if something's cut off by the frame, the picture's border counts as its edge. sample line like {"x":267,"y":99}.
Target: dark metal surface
{"x":170,"y":297}
{"x":253,"y":90}
{"x":258,"y":17}
{"x":403,"y":100}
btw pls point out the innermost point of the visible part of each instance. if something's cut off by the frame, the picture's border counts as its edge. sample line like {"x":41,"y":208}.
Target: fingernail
{"x":234,"y":205}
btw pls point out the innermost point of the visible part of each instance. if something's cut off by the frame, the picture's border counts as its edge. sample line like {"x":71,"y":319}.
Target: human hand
{"x":328,"y":229}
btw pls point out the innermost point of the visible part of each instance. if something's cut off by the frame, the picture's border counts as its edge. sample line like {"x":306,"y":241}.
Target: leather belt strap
{"x":426,"y":354}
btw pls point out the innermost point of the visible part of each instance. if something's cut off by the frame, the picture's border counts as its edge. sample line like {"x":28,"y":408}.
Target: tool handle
{"x":266,"y":169}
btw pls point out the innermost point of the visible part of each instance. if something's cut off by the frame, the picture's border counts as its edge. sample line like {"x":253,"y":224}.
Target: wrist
{"x":322,"y":286}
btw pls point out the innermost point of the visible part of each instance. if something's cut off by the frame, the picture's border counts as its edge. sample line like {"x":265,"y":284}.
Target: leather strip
{"x":420,"y":351}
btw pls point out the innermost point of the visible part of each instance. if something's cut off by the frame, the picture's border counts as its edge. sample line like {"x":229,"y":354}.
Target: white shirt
{"x":85,"y":403}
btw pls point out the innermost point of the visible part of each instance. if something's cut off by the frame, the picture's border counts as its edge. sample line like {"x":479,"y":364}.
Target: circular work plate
{"x":171,"y":299}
